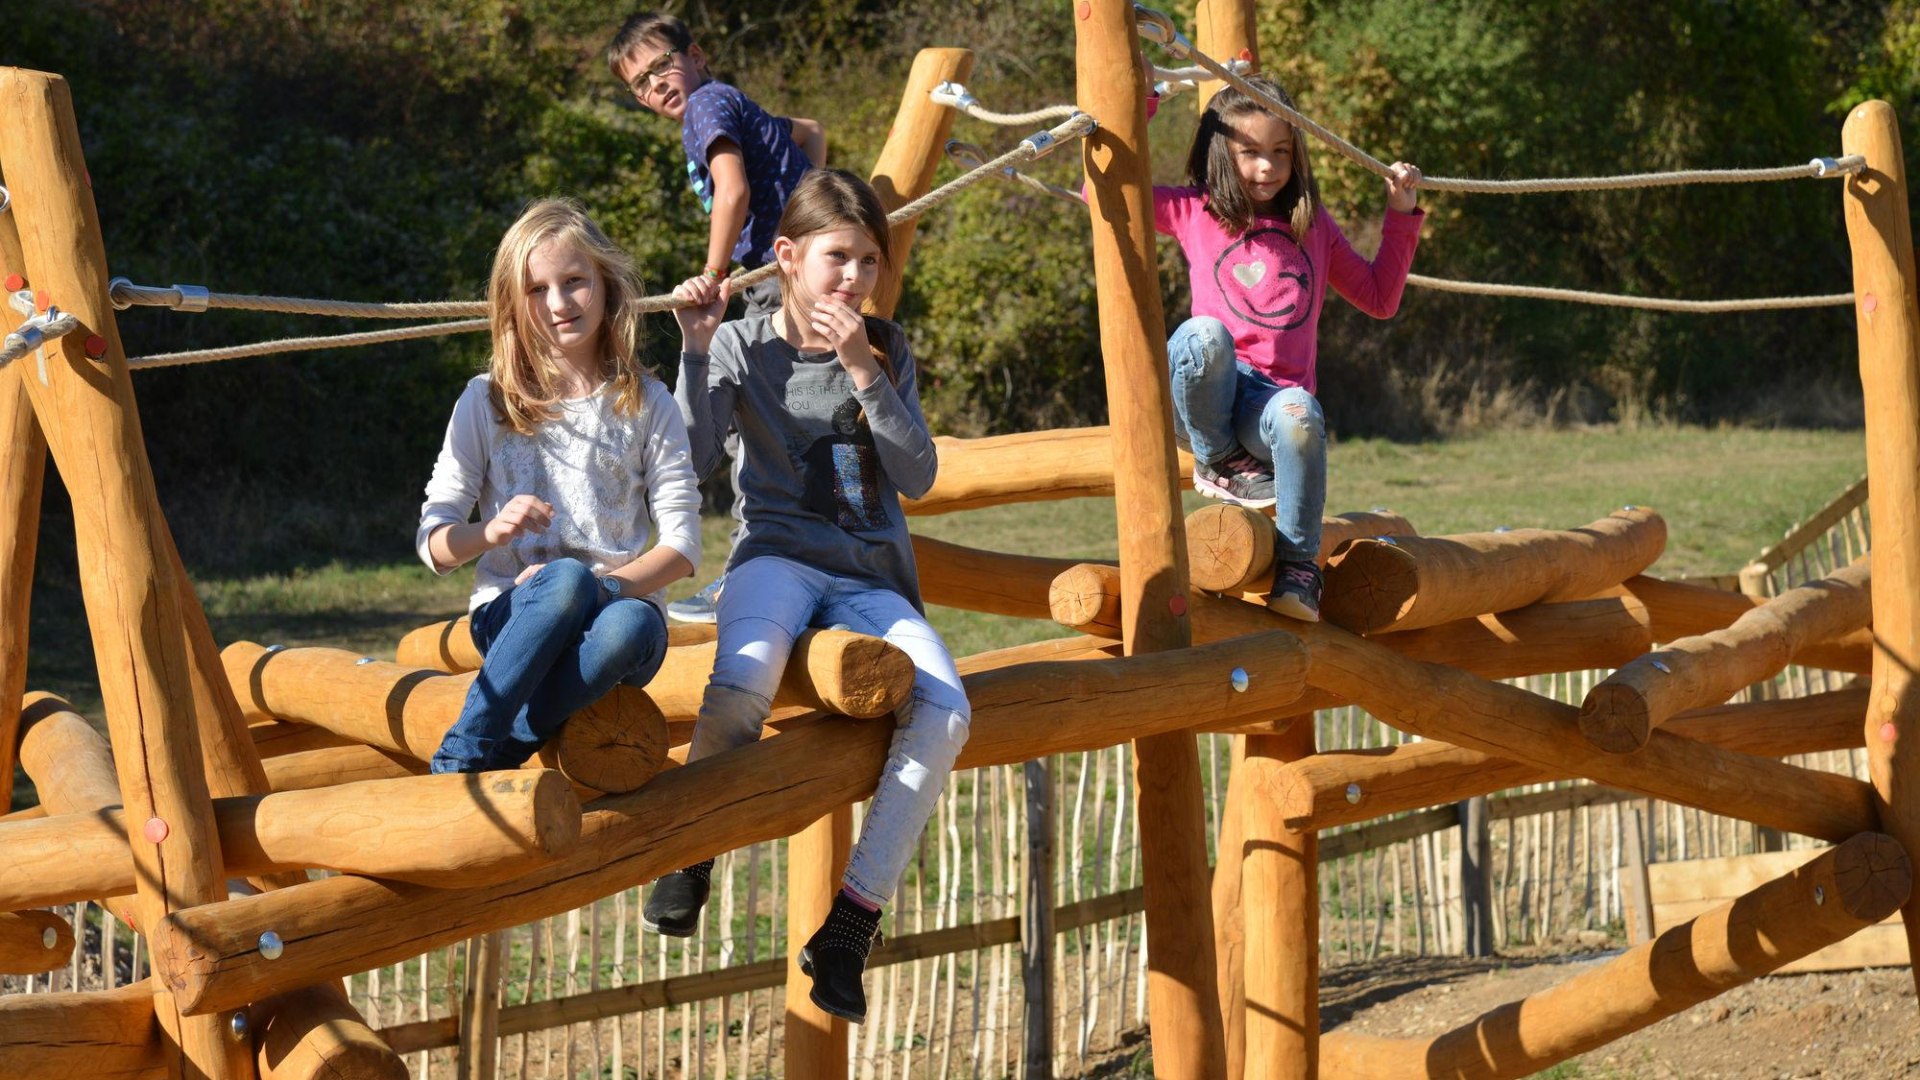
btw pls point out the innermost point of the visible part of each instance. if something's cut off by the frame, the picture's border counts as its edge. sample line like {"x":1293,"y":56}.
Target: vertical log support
{"x":132,"y":593}
{"x":816,"y":857}
{"x":480,"y":1009}
{"x":1280,"y":901}
{"x":1476,"y":876}
{"x":23,"y":467}
{"x":1889,"y":332}
{"x":1225,"y":29}
{"x":1036,"y":923}
{"x":915,"y":146}
{"x":1183,"y":1001}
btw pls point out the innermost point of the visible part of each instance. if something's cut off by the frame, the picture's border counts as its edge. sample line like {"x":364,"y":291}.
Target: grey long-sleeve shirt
{"x":822,"y":465}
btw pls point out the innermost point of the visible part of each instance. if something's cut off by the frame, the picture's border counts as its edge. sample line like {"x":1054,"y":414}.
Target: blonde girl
{"x":576,"y":459}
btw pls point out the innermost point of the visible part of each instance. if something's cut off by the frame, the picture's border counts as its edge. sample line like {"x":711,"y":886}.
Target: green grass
{"x":1725,"y":493}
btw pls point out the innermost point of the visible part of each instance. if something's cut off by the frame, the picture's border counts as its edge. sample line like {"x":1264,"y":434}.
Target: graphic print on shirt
{"x":702,"y":185}
{"x":842,"y":473}
{"x":1266,"y":278}
{"x":604,"y":480}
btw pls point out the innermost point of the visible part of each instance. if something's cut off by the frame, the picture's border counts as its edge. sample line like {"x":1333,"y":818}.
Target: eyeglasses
{"x":642,"y":84}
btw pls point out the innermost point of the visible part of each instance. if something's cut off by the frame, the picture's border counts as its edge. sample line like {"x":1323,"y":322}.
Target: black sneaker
{"x":1296,"y":591}
{"x":1241,"y":478}
{"x":836,"y":956}
{"x":673,"y":907}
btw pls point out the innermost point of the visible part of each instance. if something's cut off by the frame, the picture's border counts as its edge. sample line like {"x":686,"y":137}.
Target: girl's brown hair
{"x":827,"y":199}
{"x":1210,"y":164}
{"x":525,"y":391}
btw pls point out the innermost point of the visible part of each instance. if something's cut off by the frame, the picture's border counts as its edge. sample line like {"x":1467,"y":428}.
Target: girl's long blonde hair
{"x":1210,"y":164}
{"x":525,"y":392}
{"x":827,"y":199}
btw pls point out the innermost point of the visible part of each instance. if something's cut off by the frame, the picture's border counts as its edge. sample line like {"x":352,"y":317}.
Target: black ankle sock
{"x":701,"y":870}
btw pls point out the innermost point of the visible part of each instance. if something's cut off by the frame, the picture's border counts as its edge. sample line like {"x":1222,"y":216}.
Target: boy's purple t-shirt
{"x":1268,"y":288}
{"x":774,"y":162}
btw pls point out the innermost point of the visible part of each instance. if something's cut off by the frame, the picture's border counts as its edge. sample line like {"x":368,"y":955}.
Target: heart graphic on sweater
{"x":1249,"y":274}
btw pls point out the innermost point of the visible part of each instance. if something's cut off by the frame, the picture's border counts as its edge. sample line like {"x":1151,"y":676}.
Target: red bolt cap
{"x":1177,"y":605}
{"x":96,"y":346}
{"x":41,"y":300}
{"x":1086,"y":10}
{"x":15,"y":283}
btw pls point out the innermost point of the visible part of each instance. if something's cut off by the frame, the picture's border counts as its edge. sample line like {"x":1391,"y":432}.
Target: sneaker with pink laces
{"x":1241,"y":478}
{"x":1296,"y":591}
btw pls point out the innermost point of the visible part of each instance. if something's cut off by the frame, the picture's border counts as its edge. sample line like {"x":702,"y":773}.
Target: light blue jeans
{"x":767,"y":603}
{"x":552,"y":646}
{"x":1219,"y":401}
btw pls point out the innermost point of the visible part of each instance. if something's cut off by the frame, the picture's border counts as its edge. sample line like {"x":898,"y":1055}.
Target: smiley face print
{"x":1266,"y":278}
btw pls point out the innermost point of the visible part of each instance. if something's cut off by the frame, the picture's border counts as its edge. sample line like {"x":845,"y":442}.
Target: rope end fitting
{"x":119,"y":293}
{"x":954,"y":96}
{"x":1042,"y":143}
{"x":192,"y":297}
{"x":1158,"y":28}
{"x":1824,"y":167}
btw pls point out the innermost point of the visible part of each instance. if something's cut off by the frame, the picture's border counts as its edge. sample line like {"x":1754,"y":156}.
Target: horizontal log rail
{"x":1035,"y":466}
{"x":210,"y":955}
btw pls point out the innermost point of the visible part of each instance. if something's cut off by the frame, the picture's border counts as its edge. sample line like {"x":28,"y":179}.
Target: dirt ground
{"x":1847,"y":1025}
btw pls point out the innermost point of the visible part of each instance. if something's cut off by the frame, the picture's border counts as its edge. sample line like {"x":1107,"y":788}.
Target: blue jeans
{"x":767,"y":603}
{"x":552,"y":645}
{"x":1219,"y":401}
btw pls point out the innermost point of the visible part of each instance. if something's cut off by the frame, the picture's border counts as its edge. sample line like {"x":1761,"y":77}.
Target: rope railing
{"x":956,"y":96}
{"x":1649,"y":303}
{"x":1159,"y":28}
{"x":196,"y":298}
{"x":972,"y":157}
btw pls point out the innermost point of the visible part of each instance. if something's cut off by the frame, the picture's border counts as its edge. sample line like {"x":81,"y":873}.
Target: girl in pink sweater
{"x":1261,"y":251}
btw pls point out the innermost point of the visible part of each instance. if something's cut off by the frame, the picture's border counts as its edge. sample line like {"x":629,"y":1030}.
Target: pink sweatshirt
{"x":1268,"y":288}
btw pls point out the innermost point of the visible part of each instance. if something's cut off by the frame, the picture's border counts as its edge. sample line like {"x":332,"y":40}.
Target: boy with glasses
{"x":741,"y":162}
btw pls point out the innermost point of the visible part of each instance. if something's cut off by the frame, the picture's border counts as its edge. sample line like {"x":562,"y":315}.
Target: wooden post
{"x":1889,"y":332}
{"x":1036,"y":923}
{"x":1229,"y":921}
{"x":23,"y":467}
{"x":1476,"y":876}
{"x":1280,"y":901}
{"x":132,"y":593}
{"x":1183,"y":1001}
{"x":1224,"y":30}
{"x":914,"y":149}
{"x":816,"y":857}
{"x":480,"y":1009}
{"x":1635,"y":887}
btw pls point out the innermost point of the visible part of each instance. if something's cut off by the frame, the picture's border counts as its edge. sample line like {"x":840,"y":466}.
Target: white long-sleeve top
{"x":613,"y":481}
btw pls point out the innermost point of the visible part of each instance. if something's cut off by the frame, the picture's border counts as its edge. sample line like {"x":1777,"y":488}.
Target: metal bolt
{"x":1353,"y":793}
{"x":276,"y":648}
{"x":238,"y":1025}
{"x":363,"y":660}
{"x":1389,"y":540}
{"x":841,"y":626}
{"x":49,"y":937}
{"x":1661,"y":667}
{"x":1629,"y":507}
{"x":1819,"y":894}
{"x":271,"y":946}
{"x":1502,"y":528}
{"x":1239,"y":679}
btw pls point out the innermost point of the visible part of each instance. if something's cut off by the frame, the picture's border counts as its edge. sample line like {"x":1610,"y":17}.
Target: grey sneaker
{"x":1241,"y":478}
{"x":701,"y":607}
{"x":1296,"y":591}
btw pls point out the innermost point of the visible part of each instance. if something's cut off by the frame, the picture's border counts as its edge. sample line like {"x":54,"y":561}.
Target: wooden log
{"x":1680,"y":610}
{"x":991,"y":581}
{"x":1845,"y":890}
{"x":1224,"y":29}
{"x":1625,"y":708}
{"x":1229,"y":919}
{"x":834,"y":671}
{"x":1033,"y":466}
{"x":1231,"y":547}
{"x":315,"y":1033}
{"x":1340,"y":787}
{"x":914,"y":148}
{"x":1183,"y":1009}
{"x":816,"y":1041}
{"x":101,"y":1035}
{"x":23,"y":468}
{"x":448,"y":646}
{"x":1533,"y":640}
{"x":277,"y":738}
{"x":615,"y":744}
{"x":1888,"y":324}
{"x":332,"y":765}
{"x":33,"y":941}
{"x":1376,"y":586}
{"x":1450,"y":705}
{"x":70,"y":763}
{"x":480,"y":1009}
{"x":1280,"y":885}
{"x":771,"y":789}
{"x":132,"y":594}
{"x":449,"y":831}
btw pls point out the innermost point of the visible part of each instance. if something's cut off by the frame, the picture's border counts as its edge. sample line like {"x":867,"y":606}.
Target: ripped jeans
{"x":767,"y":603}
{"x":1219,"y":401}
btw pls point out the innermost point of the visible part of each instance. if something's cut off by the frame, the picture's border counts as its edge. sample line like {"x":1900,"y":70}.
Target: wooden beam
{"x":1848,"y":889}
{"x":990,"y":581}
{"x":132,"y":592}
{"x":1681,"y":610}
{"x":23,"y":468}
{"x":346,"y":924}
{"x":1280,"y":890}
{"x":448,"y":646}
{"x":101,"y":1034}
{"x":1625,"y":708}
{"x":1232,"y":546}
{"x":1032,"y":466}
{"x":914,"y":148}
{"x":615,"y":744}
{"x":33,"y":941}
{"x":1888,"y":324}
{"x":1339,"y":787}
{"x":315,"y":1033}
{"x":333,"y":765}
{"x":1375,"y":586}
